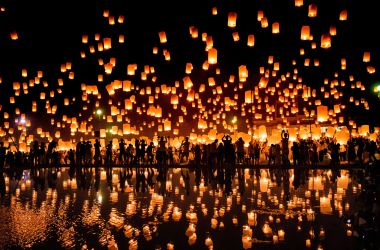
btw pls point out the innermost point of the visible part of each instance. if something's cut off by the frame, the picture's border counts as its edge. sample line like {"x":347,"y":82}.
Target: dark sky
{"x":50,"y":35}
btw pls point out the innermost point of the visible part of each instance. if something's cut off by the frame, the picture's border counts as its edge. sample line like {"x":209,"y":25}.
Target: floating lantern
{"x":343,"y":15}
{"x":325,"y":41}
{"x":312,"y":10}
{"x":212,"y":56}
{"x":251,"y":40}
{"x":276,"y":28}
{"x":232,"y":16}
{"x":162,"y":36}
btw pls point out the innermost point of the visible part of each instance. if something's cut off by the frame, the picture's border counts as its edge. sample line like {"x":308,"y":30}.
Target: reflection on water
{"x":178,"y":208}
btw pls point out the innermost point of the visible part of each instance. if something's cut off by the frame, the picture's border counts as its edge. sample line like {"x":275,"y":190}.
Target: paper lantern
{"x":251,"y":40}
{"x":243,"y":73}
{"x":343,"y":15}
{"x":298,"y":3}
{"x":326,"y":41}
{"x":235,"y":36}
{"x":325,"y":205}
{"x":305,"y":32}
{"x":366,"y":57}
{"x":260,"y":15}
{"x":312,"y":10}
{"x":363,"y":130}
{"x":14,"y":35}
{"x":276,"y":28}
{"x":162,"y":35}
{"x":214,"y":11}
{"x":232,"y":16}
{"x":264,"y":23}
{"x":322,"y":113}
{"x":212,"y":56}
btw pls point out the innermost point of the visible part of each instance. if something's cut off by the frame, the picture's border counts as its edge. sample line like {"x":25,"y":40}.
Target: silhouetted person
{"x":97,"y":155}
{"x":3,"y":151}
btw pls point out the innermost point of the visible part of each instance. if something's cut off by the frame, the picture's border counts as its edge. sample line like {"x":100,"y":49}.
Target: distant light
{"x":22,"y":120}
{"x":99,"y":112}
{"x":100,"y":198}
{"x":234,"y":120}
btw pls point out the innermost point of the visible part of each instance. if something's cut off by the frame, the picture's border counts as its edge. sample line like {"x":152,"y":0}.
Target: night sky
{"x":50,"y":34}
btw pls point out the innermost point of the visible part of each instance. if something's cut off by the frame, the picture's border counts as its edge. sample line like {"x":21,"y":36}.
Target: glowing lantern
{"x":214,"y":11}
{"x":260,"y":15}
{"x":325,"y":41}
{"x":108,"y":68}
{"x":305,"y":32}
{"x":232,"y":16}
{"x":276,"y":28}
{"x":371,"y":69}
{"x":248,"y":96}
{"x":243,"y":73}
{"x":212,"y":56}
{"x":343,"y":15}
{"x":325,"y":205}
{"x":162,"y":36}
{"x":322,"y":113}
{"x":121,"y":39}
{"x":251,"y":40}
{"x":332,"y":30}
{"x":312,"y":10}
{"x":174,"y":99}
{"x":167,"y":125}
{"x":14,"y":35}
{"x":235,"y":36}
{"x":366,"y":57}
{"x":363,"y":130}
{"x":264,"y":23}
{"x":298,"y":3}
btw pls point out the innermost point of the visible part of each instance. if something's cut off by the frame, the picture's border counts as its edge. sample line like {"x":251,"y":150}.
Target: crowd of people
{"x":325,"y":151}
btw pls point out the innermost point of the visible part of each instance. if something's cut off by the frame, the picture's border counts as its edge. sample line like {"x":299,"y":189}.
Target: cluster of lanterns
{"x":137,"y":102}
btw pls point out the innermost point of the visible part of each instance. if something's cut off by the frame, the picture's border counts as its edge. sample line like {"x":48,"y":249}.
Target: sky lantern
{"x":371,"y":69}
{"x":298,"y":3}
{"x":343,"y":15}
{"x":162,"y":35}
{"x":193,"y":32}
{"x":84,"y":38}
{"x":212,"y":56}
{"x":264,"y":22}
{"x":260,"y":15}
{"x":322,"y":113}
{"x":305,"y":32}
{"x":251,"y":40}
{"x":367,"y":56}
{"x":312,"y":10}
{"x":214,"y":11}
{"x":332,"y":30}
{"x":14,"y":35}
{"x":326,"y":41}
{"x":121,"y":38}
{"x":243,"y":73}
{"x":276,"y":28}
{"x":235,"y":36}
{"x":108,"y":68}
{"x":232,"y":16}
{"x":120,"y":19}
